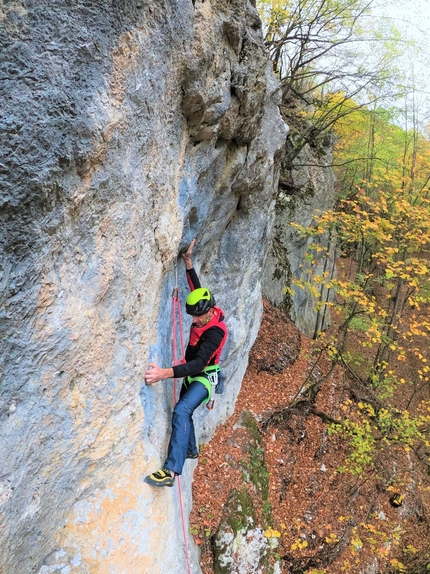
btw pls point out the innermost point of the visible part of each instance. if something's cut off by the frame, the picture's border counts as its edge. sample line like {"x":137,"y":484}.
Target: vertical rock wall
{"x":127,"y":129}
{"x":304,"y":191}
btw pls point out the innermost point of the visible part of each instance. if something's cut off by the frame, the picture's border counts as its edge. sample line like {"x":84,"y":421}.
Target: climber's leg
{"x":192,"y":449}
{"x":183,"y":435}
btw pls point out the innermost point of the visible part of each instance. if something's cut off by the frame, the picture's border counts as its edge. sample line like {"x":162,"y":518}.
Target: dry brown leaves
{"x":318,"y":511}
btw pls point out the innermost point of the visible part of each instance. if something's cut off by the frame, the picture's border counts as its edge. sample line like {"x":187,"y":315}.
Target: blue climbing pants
{"x":183,"y":439}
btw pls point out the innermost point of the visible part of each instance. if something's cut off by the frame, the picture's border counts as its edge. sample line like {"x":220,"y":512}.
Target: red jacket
{"x":196,"y":334}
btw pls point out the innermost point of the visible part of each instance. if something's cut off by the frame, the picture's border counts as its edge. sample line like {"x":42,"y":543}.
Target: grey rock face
{"x":310,"y":191}
{"x":243,"y":543}
{"x":243,"y":552}
{"x":128,"y":128}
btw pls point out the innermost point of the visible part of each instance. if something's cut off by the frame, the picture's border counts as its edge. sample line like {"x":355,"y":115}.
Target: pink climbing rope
{"x":176,"y":312}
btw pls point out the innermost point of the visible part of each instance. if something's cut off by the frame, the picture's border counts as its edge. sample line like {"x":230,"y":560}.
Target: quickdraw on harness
{"x":176,"y":313}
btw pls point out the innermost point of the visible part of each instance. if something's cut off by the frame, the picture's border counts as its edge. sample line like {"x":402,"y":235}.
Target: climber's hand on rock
{"x":156,"y":373}
{"x":153,"y":374}
{"x":187,"y":255}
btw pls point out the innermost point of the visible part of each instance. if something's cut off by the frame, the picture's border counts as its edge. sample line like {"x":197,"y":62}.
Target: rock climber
{"x":207,"y":337}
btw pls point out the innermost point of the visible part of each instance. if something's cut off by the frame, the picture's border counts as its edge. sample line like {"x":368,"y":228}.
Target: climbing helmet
{"x":199,"y":301}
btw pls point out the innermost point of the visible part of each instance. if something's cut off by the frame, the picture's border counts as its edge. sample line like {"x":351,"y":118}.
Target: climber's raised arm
{"x":192,"y":278}
{"x":187,"y":255}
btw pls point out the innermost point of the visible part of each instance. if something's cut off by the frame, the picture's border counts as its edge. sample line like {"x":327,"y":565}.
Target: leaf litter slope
{"x":328,"y":521}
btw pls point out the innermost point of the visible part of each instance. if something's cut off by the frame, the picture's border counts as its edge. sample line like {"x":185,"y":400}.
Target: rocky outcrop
{"x":306,"y":188}
{"x":243,"y":543}
{"x":243,"y":548}
{"x":128,"y":128}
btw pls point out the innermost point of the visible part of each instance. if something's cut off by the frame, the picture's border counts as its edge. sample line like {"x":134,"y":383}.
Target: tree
{"x":304,"y":37}
{"x":372,"y":148}
{"x":382,"y":302}
{"x":327,"y":54}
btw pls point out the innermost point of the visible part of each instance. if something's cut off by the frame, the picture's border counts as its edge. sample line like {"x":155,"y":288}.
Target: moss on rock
{"x":240,"y":544}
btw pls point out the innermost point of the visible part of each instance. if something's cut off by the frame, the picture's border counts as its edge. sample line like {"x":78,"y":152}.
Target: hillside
{"x":324,"y":520}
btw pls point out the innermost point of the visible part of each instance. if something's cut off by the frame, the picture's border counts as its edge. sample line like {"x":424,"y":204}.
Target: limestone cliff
{"x":306,"y":187}
{"x":127,"y":129}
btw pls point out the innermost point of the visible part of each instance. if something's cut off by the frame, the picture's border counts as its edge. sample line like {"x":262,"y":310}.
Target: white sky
{"x":412,"y":18}
{"x":412,"y":15}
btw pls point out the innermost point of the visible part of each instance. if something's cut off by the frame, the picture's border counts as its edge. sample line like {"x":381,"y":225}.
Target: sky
{"x":411,"y":15}
{"x":412,"y":18}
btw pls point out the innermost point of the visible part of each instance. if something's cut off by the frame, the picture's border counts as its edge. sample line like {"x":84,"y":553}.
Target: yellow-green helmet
{"x":199,"y":301}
